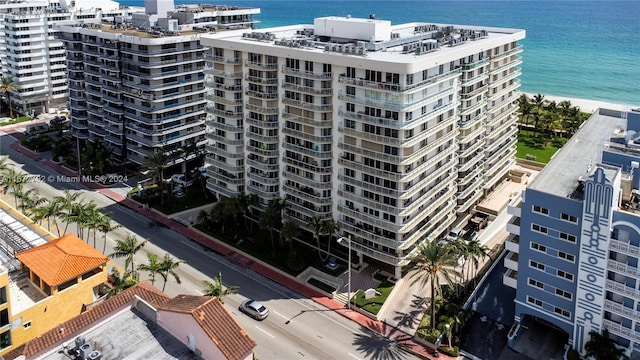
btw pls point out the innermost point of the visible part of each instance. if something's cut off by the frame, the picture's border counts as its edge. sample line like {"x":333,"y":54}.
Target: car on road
{"x":254,"y":309}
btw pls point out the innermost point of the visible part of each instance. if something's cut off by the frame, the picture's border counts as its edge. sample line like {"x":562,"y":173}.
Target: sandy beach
{"x":586,"y":105}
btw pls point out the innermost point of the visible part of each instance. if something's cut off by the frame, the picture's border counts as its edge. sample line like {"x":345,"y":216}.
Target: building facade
{"x":31,"y":54}
{"x":137,"y":85}
{"x":575,"y":236}
{"x":388,"y":130}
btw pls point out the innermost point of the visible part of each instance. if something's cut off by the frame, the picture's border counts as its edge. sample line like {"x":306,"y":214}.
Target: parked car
{"x":254,"y":309}
{"x":181,"y":179}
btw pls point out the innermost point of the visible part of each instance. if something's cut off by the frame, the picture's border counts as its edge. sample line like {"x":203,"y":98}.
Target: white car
{"x":181,"y":179}
{"x":254,"y":309}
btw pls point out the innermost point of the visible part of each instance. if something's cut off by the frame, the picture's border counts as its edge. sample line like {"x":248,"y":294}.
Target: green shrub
{"x":558,"y":142}
{"x":455,"y":351}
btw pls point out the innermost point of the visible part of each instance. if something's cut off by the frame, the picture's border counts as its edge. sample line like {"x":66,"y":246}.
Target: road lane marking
{"x":282,"y":316}
{"x":353,"y":356}
{"x":264,"y":331}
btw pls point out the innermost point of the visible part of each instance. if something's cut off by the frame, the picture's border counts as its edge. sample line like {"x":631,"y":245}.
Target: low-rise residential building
{"x":574,"y":246}
{"x":389,"y":130}
{"x":144,"y":323}
{"x":44,"y":285}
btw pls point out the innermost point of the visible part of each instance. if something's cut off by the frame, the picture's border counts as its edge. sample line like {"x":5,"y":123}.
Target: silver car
{"x":254,"y":309}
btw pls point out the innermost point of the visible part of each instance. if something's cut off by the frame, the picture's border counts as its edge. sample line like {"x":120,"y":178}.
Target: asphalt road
{"x":297,"y":328}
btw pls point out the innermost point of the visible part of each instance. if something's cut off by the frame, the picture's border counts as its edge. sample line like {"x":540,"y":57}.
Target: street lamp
{"x":348,"y":240}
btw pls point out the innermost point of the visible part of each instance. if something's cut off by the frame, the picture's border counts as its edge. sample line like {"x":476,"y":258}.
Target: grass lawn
{"x":16,"y":120}
{"x":535,"y":144}
{"x":374,"y":304}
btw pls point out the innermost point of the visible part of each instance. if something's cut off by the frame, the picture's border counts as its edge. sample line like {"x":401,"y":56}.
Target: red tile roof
{"x":82,"y":322}
{"x":232,"y":340}
{"x":62,"y":259}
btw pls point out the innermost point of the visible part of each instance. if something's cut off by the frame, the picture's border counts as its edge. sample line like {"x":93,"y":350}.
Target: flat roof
{"x":129,"y":335}
{"x":301,"y":38}
{"x":579,"y":156}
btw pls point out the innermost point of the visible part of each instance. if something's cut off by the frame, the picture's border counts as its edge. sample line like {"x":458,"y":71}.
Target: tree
{"x":215,"y":288}
{"x":50,"y":209}
{"x":127,"y":248}
{"x":476,"y":252}
{"x":157,"y":162}
{"x":67,"y":203}
{"x":602,"y":347}
{"x":433,"y":263}
{"x":13,"y":181}
{"x":316,"y":225}
{"x":538,"y":101}
{"x":4,"y":163}
{"x":167,"y":267}
{"x":204,"y":219}
{"x":30,"y":201}
{"x":290,"y":230}
{"x":526,"y":109}
{"x":153,"y":267}
{"x":269,"y":221}
{"x":120,"y":282}
{"x":105,"y":226}
{"x":7,"y":86}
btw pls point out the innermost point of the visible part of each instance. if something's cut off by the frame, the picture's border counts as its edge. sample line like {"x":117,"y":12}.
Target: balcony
{"x":306,"y":74}
{"x":619,"y":330}
{"x":511,"y":261}
{"x":619,"y":288}
{"x":623,"y":247}
{"x":621,"y":310}
{"x":510,"y":279}
{"x":513,"y":243}
{"x":308,"y":106}
{"x":622,"y":268}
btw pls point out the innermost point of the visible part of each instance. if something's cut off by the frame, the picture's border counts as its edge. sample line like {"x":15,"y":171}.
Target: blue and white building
{"x":575,"y":235}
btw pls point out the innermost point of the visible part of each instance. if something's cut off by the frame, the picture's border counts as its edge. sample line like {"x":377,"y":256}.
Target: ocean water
{"x":578,"y":49}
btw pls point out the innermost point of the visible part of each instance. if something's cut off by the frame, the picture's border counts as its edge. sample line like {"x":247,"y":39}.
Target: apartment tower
{"x":389,"y":130}
{"x":31,"y":54}
{"x":137,"y":84}
{"x":575,"y":237}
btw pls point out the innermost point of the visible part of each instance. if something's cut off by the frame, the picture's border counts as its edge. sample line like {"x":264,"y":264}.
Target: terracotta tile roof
{"x":222,"y":328}
{"x":87,"y":319}
{"x":62,"y":259}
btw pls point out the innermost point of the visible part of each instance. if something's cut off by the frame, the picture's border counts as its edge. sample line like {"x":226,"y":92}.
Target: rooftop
{"x":377,"y":39}
{"x":578,"y":157}
{"x":62,"y":259}
{"x":123,"y":327}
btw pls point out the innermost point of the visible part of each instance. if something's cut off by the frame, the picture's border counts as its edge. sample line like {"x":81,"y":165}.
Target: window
{"x":3,"y":295}
{"x":564,"y":274}
{"x":540,"y":209}
{"x":564,"y":255}
{"x":563,"y":293}
{"x":5,"y":339}
{"x":569,"y":218}
{"x":536,"y":283}
{"x":541,"y":248}
{"x":537,"y":265}
{"x":562,"y":312}
{"x":540,"y":229}
{"x":534,"y":301}
{"x":568,"y":237}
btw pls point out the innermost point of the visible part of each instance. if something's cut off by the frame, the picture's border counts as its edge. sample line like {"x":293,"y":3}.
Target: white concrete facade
{"x":389,"y":137}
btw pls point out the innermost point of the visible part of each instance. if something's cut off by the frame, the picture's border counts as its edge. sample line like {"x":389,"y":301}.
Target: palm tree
{"x":121,"y":282}
{"x":234,"y":209}
{"x":525,"y":108}
{"x":4,"y":165}
{"x":269,"y":221}
{"x":127,"y":248}
{"x":329,"y":228}
{"x":50,"y":209}
{"x":203,"y":219}
{"x":316,"y":225}
{"x":217,"y":214}
{"x":215,"y":288}
{"x":602,"y":347}
{"x":153,"y":266}
{"x":538,"y":101}
{"x":67,"y":202}
{"x":434,"y":263}
{"x":157,"y":162}
{"x":476,"y":252}
{"x":106,"y":226}
{"x":13,"y":180}
{"x":290,"y":230}
{"x":30,"y":201}
{"x":7,"y":85}
{"x":167,"y":267}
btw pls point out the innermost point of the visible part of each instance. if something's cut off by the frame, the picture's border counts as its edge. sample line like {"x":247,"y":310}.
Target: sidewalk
{"x":402,"y":338}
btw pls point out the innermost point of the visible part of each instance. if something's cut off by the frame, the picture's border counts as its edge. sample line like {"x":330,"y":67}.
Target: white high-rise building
{"x":389,"y":130}
{"x":31,"y":54}
{"x":136,"y":84}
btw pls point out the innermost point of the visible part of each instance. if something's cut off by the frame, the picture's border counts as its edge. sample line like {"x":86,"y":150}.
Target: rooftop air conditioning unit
{"x":95,"y":355}
{"x":85,"y":350}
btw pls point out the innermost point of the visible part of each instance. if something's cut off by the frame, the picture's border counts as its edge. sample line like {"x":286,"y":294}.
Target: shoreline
{"x":585,"y":105}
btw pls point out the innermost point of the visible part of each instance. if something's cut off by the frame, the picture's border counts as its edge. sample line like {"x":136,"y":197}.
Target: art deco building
{"x":575,"y":237}
{"x":31,"y":54}
{"x":388,"y":129}
{"x":137,"y":83}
